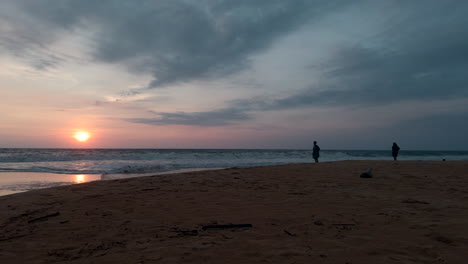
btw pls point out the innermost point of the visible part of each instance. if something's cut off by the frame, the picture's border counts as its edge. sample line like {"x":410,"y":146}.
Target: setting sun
{"x":82,"y":136}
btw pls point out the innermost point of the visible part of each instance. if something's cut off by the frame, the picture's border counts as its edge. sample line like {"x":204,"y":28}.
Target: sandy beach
{"x":409,"y":212}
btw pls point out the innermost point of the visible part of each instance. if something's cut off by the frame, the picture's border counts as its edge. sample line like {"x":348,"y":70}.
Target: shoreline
{"x":18,"y":182}
{"x":12,"y":182}
{"x":410,"y":211}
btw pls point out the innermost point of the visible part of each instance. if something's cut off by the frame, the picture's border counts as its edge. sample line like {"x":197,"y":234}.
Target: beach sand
{"x":409,"y":212}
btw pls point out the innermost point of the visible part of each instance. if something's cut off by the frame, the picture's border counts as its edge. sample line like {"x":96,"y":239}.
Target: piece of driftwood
{"x":43,"y":217}
{"x":413,"y":201}
{"x":226,"y":226}
{"x":289,"y":233}
{"x":13,"y":237}
{"x":343,"y":224}
{"x":186,"y":232}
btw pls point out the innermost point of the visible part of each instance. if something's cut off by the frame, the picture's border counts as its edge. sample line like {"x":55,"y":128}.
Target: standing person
{"x":395,"y":149}
{"x":315,"y":151}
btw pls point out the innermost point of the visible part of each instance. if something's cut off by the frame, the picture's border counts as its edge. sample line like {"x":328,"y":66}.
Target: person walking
{"x":395,"y":149}
{"x":316,"y":152}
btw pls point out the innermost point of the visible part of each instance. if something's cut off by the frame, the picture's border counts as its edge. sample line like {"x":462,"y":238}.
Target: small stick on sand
{"x":13,"y":237}
{"x":289,"y":233}
{"x":43,"y":217}
{"x":225,"y":226}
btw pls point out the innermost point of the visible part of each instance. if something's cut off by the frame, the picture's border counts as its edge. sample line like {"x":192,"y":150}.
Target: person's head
{"x":394,"y":143}
{"x":315,"y":142}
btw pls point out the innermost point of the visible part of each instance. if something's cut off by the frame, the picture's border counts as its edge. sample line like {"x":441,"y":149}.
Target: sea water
{"x":26,"y":169}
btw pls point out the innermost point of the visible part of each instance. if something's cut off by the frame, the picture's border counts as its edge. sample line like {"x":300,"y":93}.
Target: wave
{"x":153,"y":161}
{"x":140,"y":169}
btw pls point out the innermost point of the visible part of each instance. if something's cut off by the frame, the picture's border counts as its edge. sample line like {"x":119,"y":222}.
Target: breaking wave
{"x":125,"y":161}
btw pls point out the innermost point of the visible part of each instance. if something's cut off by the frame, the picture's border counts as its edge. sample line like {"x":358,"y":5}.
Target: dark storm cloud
{"x":419,"y":56}
{"x":219,"y":117}
{"x":418,"y":60}
{"x":423,"y":56}
{"x":176,"y":40}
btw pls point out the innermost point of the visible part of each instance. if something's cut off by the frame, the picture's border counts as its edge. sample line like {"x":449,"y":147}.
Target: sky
{"x":234,"y":74}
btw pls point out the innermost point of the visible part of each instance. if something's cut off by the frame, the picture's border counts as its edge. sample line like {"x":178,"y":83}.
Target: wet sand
{"x":409,"y":212}
{"x":15,"y":182}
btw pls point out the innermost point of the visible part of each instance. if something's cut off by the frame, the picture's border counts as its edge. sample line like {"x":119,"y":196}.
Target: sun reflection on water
{"x":80,"y":178}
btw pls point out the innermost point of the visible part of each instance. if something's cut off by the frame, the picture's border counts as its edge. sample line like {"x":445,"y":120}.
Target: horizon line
{"x":60,"y":148}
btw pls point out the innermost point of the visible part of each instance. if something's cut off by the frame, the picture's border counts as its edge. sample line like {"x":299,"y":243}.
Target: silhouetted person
{"x":315,"y":151}
{"x":395,"y":149}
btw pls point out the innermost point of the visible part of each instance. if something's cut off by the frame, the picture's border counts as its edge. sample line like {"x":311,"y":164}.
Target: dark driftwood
{"x":289,"y":233}
{"x":13,"y":237}
{"x":44,"y":217}
{"x":187,"y":232}
{"x":225,"y":226}
{"x":414,"y":201}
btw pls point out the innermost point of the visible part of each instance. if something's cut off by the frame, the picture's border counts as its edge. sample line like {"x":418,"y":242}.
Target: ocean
{"x":27,"y":169}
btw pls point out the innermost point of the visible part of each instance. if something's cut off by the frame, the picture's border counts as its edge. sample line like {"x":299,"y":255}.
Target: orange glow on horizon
{"x":82,"y":136}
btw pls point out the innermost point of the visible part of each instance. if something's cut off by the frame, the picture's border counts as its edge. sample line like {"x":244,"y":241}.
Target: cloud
{"x":417,"y":51}
{"x":422,"y":56}
{"x":221,"y":117}
{"x":418,"y":55}
{"x":413,"y":54}
{"x":17,"y":41}
{"x":175,"y":41}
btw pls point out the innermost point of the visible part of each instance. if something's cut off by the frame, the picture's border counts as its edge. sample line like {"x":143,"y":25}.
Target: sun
{"x":82,"y":136}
